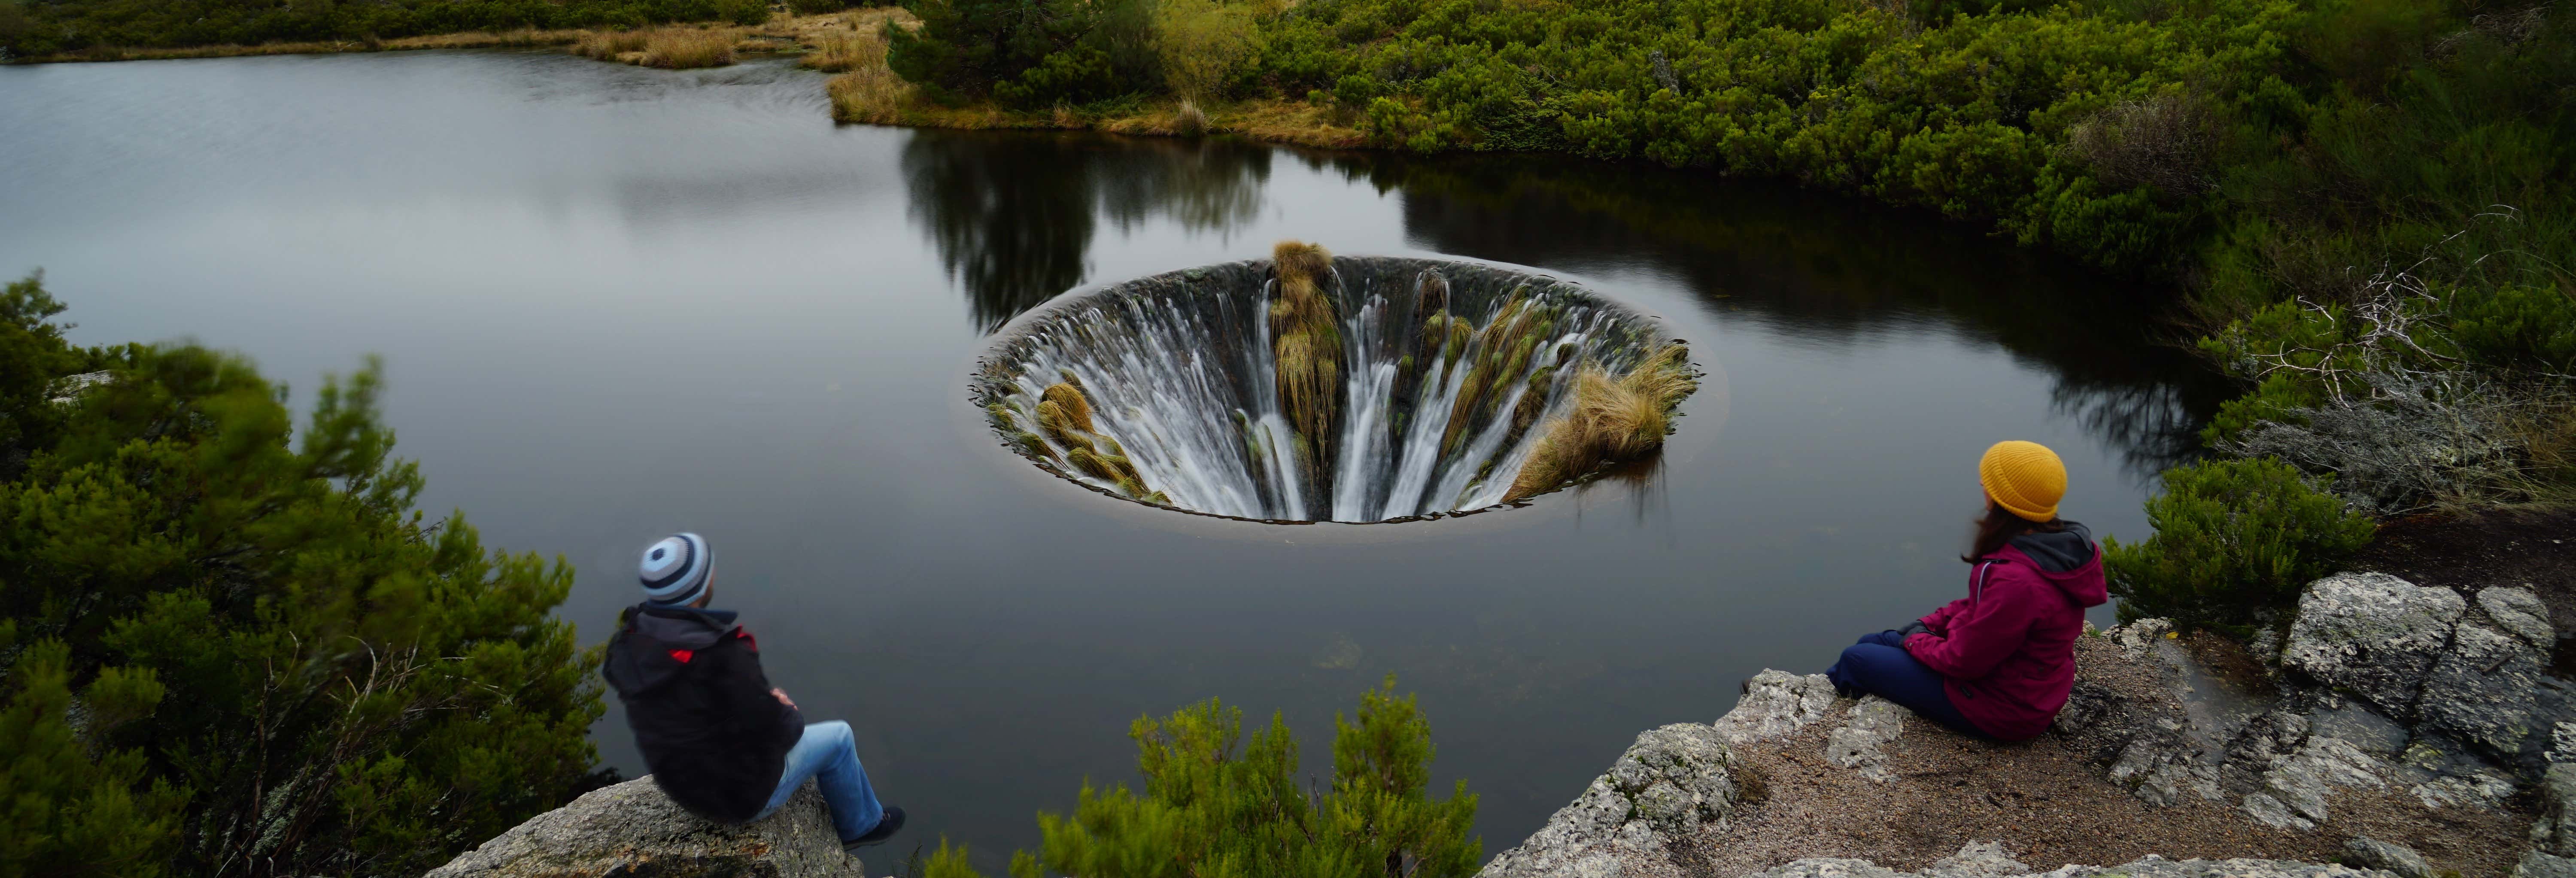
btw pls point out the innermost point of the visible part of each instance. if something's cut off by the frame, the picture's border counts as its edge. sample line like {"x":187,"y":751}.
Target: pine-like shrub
{"x":282,"y":667}
{"x":1214,"y":804}
{"x":2235,"y":540}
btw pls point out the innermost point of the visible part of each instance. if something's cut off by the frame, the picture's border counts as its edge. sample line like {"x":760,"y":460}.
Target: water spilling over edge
{"x":1180,"y":377}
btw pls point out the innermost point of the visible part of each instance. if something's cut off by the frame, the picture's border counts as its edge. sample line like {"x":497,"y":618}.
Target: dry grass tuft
{"x":675,"y":49}
{"x":846,"y":51}
{"x":1189,"y":120}
{"x":1064,"y":415}
{"x":1307,"y":346}
{"x":610,"y":45}
{"x":670,"y":48}
{"x":1613,"y":421}
{"x":867,"y":91}
{"x":1069,"y":399}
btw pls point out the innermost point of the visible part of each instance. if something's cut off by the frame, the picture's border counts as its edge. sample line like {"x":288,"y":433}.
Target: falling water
{"x":1179,"y":373}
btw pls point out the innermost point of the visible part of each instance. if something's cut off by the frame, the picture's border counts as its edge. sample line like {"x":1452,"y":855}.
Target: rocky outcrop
{"x":632,"y":830}
{"x":1987,"y":860}
{"x":1670,"y":784}
{"x":2379,"y":689}
{"x":2469,"y":672}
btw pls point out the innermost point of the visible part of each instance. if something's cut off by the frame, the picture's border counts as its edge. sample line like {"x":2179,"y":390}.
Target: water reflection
{"x":1013,"y":215}
{"x":1822,"y":270}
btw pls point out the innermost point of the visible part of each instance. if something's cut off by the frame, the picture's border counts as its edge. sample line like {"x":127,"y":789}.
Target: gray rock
{"x":2149,"y":867}
{"x":2539,"y":865}
{"x":1977,"y":859}
{"x":2483,"y":690}
{"x":1861,"y":744}
{"x":2556,"y":832}
{"x":2519,"y":610}
{"x":2372,"y":634}
{"x":2090,"y":706}
{"x":1673,"y":782}
{"x":2369,"y":732}
{"x":2137,"y":637}
{"x":1776,"y":704}
{"x":2161,"y":765}
{"x":632,"y":829}
{"x":2303,"y":782}
{"x":2376,"y":854}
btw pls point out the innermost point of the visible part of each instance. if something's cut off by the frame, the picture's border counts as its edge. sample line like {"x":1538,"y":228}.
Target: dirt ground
{"x":2051,"y":804}
{"x":2527,"y":546}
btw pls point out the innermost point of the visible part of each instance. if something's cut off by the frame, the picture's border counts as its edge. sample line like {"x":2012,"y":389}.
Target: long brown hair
{"x":1998,"y":527}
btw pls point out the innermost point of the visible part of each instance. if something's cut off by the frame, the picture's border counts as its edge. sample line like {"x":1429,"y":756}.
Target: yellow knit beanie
{"x":2025,"y":478}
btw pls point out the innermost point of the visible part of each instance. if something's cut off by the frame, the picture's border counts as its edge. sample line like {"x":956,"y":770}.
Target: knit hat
{"x":2025,"y":478}
{"x":675,"y":570}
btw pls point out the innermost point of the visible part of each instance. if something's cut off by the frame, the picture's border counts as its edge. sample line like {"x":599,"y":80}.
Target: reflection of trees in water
{"x":1012,"y":215}
{"x":1824,"y":270}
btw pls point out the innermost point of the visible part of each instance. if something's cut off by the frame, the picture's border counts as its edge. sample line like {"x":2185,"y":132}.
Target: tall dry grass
{"x":609,"y":45}
{"x":677,"y":47}
{"x":867,"y":91}
{"x":1614,"y":420}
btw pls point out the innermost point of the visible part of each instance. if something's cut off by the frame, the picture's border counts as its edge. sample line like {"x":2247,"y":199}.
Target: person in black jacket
{"x":720,"y":740}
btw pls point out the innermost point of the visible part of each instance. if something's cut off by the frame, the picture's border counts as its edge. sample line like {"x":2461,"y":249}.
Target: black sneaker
{"x":887,"y":826}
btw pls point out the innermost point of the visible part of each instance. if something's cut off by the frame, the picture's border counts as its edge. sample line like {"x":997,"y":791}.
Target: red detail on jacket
{"x":684,"y":655}
{"x":2006,"y":652}
{"x":747,"y":641}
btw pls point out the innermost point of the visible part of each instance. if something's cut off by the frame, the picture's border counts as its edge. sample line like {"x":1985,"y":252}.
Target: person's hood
{"x":657,"y":642}
{"x":2069,"y":560}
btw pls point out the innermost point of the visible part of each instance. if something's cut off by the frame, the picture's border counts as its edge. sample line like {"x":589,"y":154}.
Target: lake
{"x":617,"y":302}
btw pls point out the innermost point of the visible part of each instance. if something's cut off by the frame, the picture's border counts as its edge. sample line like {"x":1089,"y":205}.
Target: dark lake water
{"x":619,"y":302}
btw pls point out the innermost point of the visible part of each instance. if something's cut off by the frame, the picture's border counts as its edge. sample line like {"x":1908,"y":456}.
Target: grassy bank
{"x":527,"y":37}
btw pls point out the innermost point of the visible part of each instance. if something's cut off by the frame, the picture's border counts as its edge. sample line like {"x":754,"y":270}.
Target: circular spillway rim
{"x":978,"y":386}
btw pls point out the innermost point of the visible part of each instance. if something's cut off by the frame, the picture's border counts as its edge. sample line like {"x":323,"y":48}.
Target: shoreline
{"x":528,"y":38}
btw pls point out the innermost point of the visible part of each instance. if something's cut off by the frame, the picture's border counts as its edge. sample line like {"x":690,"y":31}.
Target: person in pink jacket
{"x":1999,"y":662}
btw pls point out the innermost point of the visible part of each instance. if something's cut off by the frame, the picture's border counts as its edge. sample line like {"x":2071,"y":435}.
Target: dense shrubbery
{"x":1216,"y":805}
{"x":280,"y":667}
{"x":44,"y":27}
{"x":2235,"y":541}
{"x":1026,"y":53}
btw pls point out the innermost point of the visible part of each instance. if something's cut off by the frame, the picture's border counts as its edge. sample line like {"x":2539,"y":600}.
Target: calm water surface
{"x":619,"y":302}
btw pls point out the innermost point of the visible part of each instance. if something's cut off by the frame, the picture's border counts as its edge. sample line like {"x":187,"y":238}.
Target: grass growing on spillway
{"x":1307,"y":342}
{"x":1613,"y":420}
{"x":1064,"y":415}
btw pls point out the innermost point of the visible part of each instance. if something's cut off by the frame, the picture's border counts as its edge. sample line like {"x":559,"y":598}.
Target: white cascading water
{"x":1179,"y":372}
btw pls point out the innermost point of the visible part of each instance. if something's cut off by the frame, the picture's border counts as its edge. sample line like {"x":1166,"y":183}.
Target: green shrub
{"x":77,"y":806}
{"x":1026,"y":54}
{"x":2516,"y":326}
{"x":2235,"y":540}
{"x":350,"y":689}
{"x":1212,"y":808}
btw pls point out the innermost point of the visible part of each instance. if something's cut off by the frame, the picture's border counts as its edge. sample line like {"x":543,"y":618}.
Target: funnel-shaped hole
{"x":1311,"y":388}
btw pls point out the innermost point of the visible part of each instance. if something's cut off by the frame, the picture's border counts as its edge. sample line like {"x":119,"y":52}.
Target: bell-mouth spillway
{"x":1438,"y":386}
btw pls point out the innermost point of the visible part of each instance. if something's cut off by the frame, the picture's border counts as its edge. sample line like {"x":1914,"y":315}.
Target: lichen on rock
{"x":632,"y":829}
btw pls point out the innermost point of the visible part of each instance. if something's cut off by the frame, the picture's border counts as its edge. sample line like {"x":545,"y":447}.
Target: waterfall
{"x":1179,"y":373}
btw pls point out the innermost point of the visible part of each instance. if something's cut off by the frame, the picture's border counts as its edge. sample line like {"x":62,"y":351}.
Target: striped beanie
{"x":675,"y":570}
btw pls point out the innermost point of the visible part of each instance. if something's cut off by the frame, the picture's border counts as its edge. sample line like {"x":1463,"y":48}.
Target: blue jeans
{"x":831,"y":758}
{"x":1879,"y":665}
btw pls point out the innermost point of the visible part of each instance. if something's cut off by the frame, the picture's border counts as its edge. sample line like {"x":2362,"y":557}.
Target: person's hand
{"x":1913,"y":628}
{"x":782,"y":697}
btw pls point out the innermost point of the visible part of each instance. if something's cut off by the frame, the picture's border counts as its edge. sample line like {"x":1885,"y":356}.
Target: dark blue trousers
{"x":1879,"y":665}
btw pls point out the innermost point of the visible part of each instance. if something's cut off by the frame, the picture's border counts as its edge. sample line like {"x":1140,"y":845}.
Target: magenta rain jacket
{"x":2006,"y":652}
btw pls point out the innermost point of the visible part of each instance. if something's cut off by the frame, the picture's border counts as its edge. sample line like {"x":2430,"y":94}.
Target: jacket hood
{"x":2067,"y":559}
{"x":640,"y":655}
